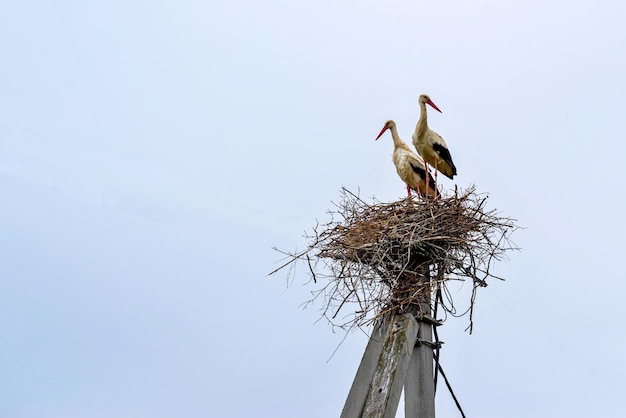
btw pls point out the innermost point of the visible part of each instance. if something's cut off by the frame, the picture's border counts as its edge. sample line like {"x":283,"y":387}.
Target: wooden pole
{"x":384,"y":395}
{"x":399,"y":354}
{"x":355,"y":403}
{"x":419,"y":386}
{"x":376,"y":389}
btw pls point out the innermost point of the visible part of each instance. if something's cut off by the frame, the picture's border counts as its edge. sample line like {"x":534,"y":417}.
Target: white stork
{"x":410,"y":166}
{"x":430,"y":145}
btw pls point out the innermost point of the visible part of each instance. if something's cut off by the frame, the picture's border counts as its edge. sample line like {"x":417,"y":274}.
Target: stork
{"x":410,"y":166}
{"x":430,"y":145}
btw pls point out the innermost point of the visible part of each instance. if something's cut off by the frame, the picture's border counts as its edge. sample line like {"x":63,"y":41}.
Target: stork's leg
{"x":436,"y":164}
{"x":426,"y":171}
{"x":419,"y":192}
{"x":408,"y":190}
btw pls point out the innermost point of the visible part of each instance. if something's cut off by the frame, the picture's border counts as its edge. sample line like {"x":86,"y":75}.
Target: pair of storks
{"x":431,"y":148}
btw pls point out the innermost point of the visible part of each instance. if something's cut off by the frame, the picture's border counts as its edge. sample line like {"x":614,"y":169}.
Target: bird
{"x":409,"y":165}
{"x":430,"y":145}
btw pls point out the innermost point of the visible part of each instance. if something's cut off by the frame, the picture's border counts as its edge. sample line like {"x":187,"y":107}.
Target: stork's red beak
{"x":381,"y":133}
{"x":430,"y":102}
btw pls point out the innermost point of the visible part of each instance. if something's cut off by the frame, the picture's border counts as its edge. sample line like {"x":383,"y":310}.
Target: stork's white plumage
{"x":430,"y":145}
{"x":409,"y":165}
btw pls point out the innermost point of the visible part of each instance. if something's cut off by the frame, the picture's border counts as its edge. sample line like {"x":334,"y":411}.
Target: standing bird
{"x":410,"y":166}
{"x":430,"y":145}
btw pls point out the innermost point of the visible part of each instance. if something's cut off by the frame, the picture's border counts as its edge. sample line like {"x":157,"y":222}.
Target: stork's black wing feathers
{"x":420,"y":172}
{"x":444,"y":154}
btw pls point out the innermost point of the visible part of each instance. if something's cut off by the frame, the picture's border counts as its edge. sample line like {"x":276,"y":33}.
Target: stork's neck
{"x":422,"y":123}
{"x":396,"y":138}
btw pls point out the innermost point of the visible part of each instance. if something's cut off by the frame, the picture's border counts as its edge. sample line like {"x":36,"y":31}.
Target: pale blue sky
{"x":151,"y":154}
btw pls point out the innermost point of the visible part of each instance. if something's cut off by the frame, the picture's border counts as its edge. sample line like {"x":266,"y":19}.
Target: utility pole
{"x":398,"y":355}
{"x":419,"y":386}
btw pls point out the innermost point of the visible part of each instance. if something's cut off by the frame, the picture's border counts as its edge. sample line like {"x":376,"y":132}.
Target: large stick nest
{"x":392,"y":257}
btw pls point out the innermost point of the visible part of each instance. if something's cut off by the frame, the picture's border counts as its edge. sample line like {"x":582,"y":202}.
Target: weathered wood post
{"x":419,"y":386}
{"x":399,"y":354}
{"x":376,"y":389}
{"x":386,"y":388}
{"x":355,"y":403}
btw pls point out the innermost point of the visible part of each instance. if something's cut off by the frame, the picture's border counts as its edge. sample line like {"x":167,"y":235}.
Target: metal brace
{"x":429,"y":320}
{"x":430,"y":344}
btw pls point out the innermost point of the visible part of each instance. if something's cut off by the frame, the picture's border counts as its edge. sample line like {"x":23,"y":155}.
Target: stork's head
{"x":388,"y":125}
{"x":425,"y":98}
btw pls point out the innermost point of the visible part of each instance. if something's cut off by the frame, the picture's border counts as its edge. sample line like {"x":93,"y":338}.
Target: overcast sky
{"x":152,"y":153}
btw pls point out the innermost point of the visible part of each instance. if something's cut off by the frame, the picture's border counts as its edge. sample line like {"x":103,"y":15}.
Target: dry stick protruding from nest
{"x":371,"y":260}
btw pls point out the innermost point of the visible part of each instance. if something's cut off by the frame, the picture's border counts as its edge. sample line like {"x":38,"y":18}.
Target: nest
{"x":373,"y":259}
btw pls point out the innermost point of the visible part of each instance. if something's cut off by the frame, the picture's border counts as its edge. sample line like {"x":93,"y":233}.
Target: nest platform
{"x":376,"y":258}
